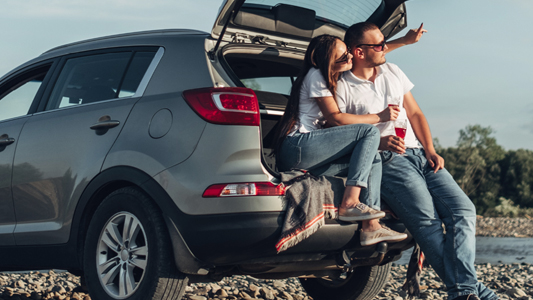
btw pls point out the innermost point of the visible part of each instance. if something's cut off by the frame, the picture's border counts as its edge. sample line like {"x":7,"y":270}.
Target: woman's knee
{"x":372,"y":131}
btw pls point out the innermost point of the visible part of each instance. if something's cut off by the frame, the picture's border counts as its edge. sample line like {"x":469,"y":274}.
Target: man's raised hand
{"x":414,"y":35}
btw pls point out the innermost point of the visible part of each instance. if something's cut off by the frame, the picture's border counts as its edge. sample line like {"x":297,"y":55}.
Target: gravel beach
{"x":509,"y":281}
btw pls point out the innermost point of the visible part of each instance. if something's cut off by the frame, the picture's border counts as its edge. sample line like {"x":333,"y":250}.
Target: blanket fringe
{"x":300,"y":234}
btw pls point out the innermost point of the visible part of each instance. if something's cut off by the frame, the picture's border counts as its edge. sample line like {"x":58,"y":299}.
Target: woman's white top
{"x":311,"y":118}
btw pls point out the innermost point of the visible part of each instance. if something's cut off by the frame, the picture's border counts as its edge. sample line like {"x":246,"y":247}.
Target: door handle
{"x":104,"y":123}
{"x":6,"y":140}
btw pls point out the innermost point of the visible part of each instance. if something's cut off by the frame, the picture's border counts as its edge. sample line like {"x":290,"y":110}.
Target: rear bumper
{"x":250,"y":238}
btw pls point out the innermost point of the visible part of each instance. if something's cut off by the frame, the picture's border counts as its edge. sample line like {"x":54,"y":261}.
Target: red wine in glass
{"x":400,"y":127}
{"x":400,"y":132}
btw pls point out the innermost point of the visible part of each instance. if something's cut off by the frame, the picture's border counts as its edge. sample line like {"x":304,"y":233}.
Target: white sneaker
{"x":360,"y":212}
{"x":384,"y":234}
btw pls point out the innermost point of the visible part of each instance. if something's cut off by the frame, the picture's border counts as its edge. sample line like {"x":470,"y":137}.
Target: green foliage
{"x":499,"y":182}
{"x":507,"y":208}
{"x":517,"y":177}
{"x":474,"y":164}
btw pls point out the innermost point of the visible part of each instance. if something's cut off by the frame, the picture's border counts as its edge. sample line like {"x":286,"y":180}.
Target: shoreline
{"x":504,"y":227}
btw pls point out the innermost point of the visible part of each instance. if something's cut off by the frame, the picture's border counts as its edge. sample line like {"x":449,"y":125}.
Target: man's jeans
{"x":425,"y":200}
{"x":349,"y":150}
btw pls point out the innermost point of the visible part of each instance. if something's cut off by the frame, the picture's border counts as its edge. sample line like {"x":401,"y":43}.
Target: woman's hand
{"x":389,"y":114}
{"x":435,"y":161}
{"x":392,"y":143}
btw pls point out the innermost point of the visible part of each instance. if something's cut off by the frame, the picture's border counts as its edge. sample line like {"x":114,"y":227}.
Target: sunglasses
{"x":344,"y":58}
{"x":377,"y":47}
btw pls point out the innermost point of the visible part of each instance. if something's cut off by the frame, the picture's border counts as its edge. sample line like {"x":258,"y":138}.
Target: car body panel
{"x":45,"y":189}
{"x":136,"y":146}
{"x":9,"y":128}
{"x":237,"y":158}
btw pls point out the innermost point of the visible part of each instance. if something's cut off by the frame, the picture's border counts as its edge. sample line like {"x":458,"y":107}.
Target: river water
{"x":496,"y":250}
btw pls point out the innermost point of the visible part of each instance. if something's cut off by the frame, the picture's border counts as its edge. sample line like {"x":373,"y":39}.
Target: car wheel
{"x":364,"y":283}
{"x":127,"y":253}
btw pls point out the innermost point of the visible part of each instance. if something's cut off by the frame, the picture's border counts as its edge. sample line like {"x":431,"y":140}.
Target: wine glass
{"x":393,"y":101}
{"x":400,"y":127}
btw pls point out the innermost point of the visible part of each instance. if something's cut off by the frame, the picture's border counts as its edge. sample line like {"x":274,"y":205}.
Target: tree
{"x":474,"y":164}
{"x":517,"y":177}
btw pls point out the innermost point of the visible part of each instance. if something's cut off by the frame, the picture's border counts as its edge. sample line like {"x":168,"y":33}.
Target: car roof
{"x":118,"y":40}
{"x":141,"y":38}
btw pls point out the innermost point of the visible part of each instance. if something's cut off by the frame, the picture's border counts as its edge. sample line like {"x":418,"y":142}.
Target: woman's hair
{"x":320,"y":55}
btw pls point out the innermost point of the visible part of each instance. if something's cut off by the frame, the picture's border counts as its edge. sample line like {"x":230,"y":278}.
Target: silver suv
{"x":141,"y":161}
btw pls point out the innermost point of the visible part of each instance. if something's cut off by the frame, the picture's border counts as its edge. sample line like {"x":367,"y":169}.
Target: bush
{"x":507,"y":208}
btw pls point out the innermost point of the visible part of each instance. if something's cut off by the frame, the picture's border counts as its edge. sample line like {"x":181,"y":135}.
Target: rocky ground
{"x":514,"y":281}
{"x":505,"y":227}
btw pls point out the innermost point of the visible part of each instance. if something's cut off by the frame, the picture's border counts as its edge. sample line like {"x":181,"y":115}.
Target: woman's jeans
{"x":424,"y":200}
{"x":349,"y":150}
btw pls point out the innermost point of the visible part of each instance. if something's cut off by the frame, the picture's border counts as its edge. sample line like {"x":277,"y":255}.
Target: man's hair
{"x":355,"y":34}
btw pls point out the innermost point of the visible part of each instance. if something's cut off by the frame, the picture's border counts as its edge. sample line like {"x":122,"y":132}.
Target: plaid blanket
{"x":310,"y":200}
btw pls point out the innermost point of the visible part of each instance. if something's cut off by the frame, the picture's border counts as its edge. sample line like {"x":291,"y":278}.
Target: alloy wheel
{"x":122,"y":255}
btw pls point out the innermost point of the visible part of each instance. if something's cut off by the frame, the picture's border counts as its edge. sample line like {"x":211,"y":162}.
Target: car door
{"x":17,"y":94}
{"x":66,"y":143}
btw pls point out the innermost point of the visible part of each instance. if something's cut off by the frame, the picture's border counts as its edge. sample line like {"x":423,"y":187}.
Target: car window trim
{"x":149,"y":72}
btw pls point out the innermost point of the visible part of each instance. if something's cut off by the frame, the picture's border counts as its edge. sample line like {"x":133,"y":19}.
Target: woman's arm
{"x":411,"y":37}
{"x":334,"y":117}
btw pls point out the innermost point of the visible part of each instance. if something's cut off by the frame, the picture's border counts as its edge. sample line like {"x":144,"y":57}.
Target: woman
{"x":303,"y":142}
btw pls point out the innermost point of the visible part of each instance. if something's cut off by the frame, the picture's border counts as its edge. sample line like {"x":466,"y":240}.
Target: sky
{"x":474,"y":66}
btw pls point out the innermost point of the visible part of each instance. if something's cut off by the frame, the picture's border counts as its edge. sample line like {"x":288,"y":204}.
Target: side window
{"x":89,"y":79}
{"x":17,"y":95}
{"x":99,"y":77}
{"x":140,"y":63}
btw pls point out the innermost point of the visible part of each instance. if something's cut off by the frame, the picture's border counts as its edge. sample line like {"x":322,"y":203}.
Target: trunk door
{"x":295,"y":22}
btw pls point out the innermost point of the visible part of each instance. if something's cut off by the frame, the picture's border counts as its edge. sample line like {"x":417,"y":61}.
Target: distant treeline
{"x":499,"y":182}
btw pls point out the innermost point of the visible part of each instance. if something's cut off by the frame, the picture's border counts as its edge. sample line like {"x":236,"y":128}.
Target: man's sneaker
{"x":384,"y":234}
{"x":360,"y":212}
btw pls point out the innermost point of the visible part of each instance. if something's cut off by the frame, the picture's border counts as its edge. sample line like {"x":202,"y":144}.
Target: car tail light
{"x":229,"y":106}
{"x":244,"y":189}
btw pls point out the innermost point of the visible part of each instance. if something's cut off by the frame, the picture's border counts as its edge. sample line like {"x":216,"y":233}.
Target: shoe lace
{"x":361,"y":206}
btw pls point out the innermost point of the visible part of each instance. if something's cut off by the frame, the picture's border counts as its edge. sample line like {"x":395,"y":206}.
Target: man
{"x":416,"y":187}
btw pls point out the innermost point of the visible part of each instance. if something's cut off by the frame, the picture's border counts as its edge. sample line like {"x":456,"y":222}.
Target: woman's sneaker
{"x":360,"y":212}
{"x":384,"y":234}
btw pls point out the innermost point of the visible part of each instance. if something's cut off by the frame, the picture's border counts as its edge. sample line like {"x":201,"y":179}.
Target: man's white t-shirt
{"x":360,"y":97}
{"x":311,"y":118}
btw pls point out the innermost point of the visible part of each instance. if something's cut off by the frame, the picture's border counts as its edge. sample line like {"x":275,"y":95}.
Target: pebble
{"x":509,"y":281}
{"x":504,"y":227}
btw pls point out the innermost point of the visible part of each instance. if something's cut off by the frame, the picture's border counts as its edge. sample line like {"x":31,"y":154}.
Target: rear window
{"x":339,"y":11}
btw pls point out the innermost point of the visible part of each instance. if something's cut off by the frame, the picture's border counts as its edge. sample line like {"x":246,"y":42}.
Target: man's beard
{"x":373,"y":63}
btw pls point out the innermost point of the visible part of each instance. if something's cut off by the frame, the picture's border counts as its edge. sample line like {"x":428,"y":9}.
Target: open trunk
{"x":270,"y":72}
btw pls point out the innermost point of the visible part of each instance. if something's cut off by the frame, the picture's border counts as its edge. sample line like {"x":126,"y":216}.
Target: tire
{"x":138,"y":267}
{"x":364,"y":283}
